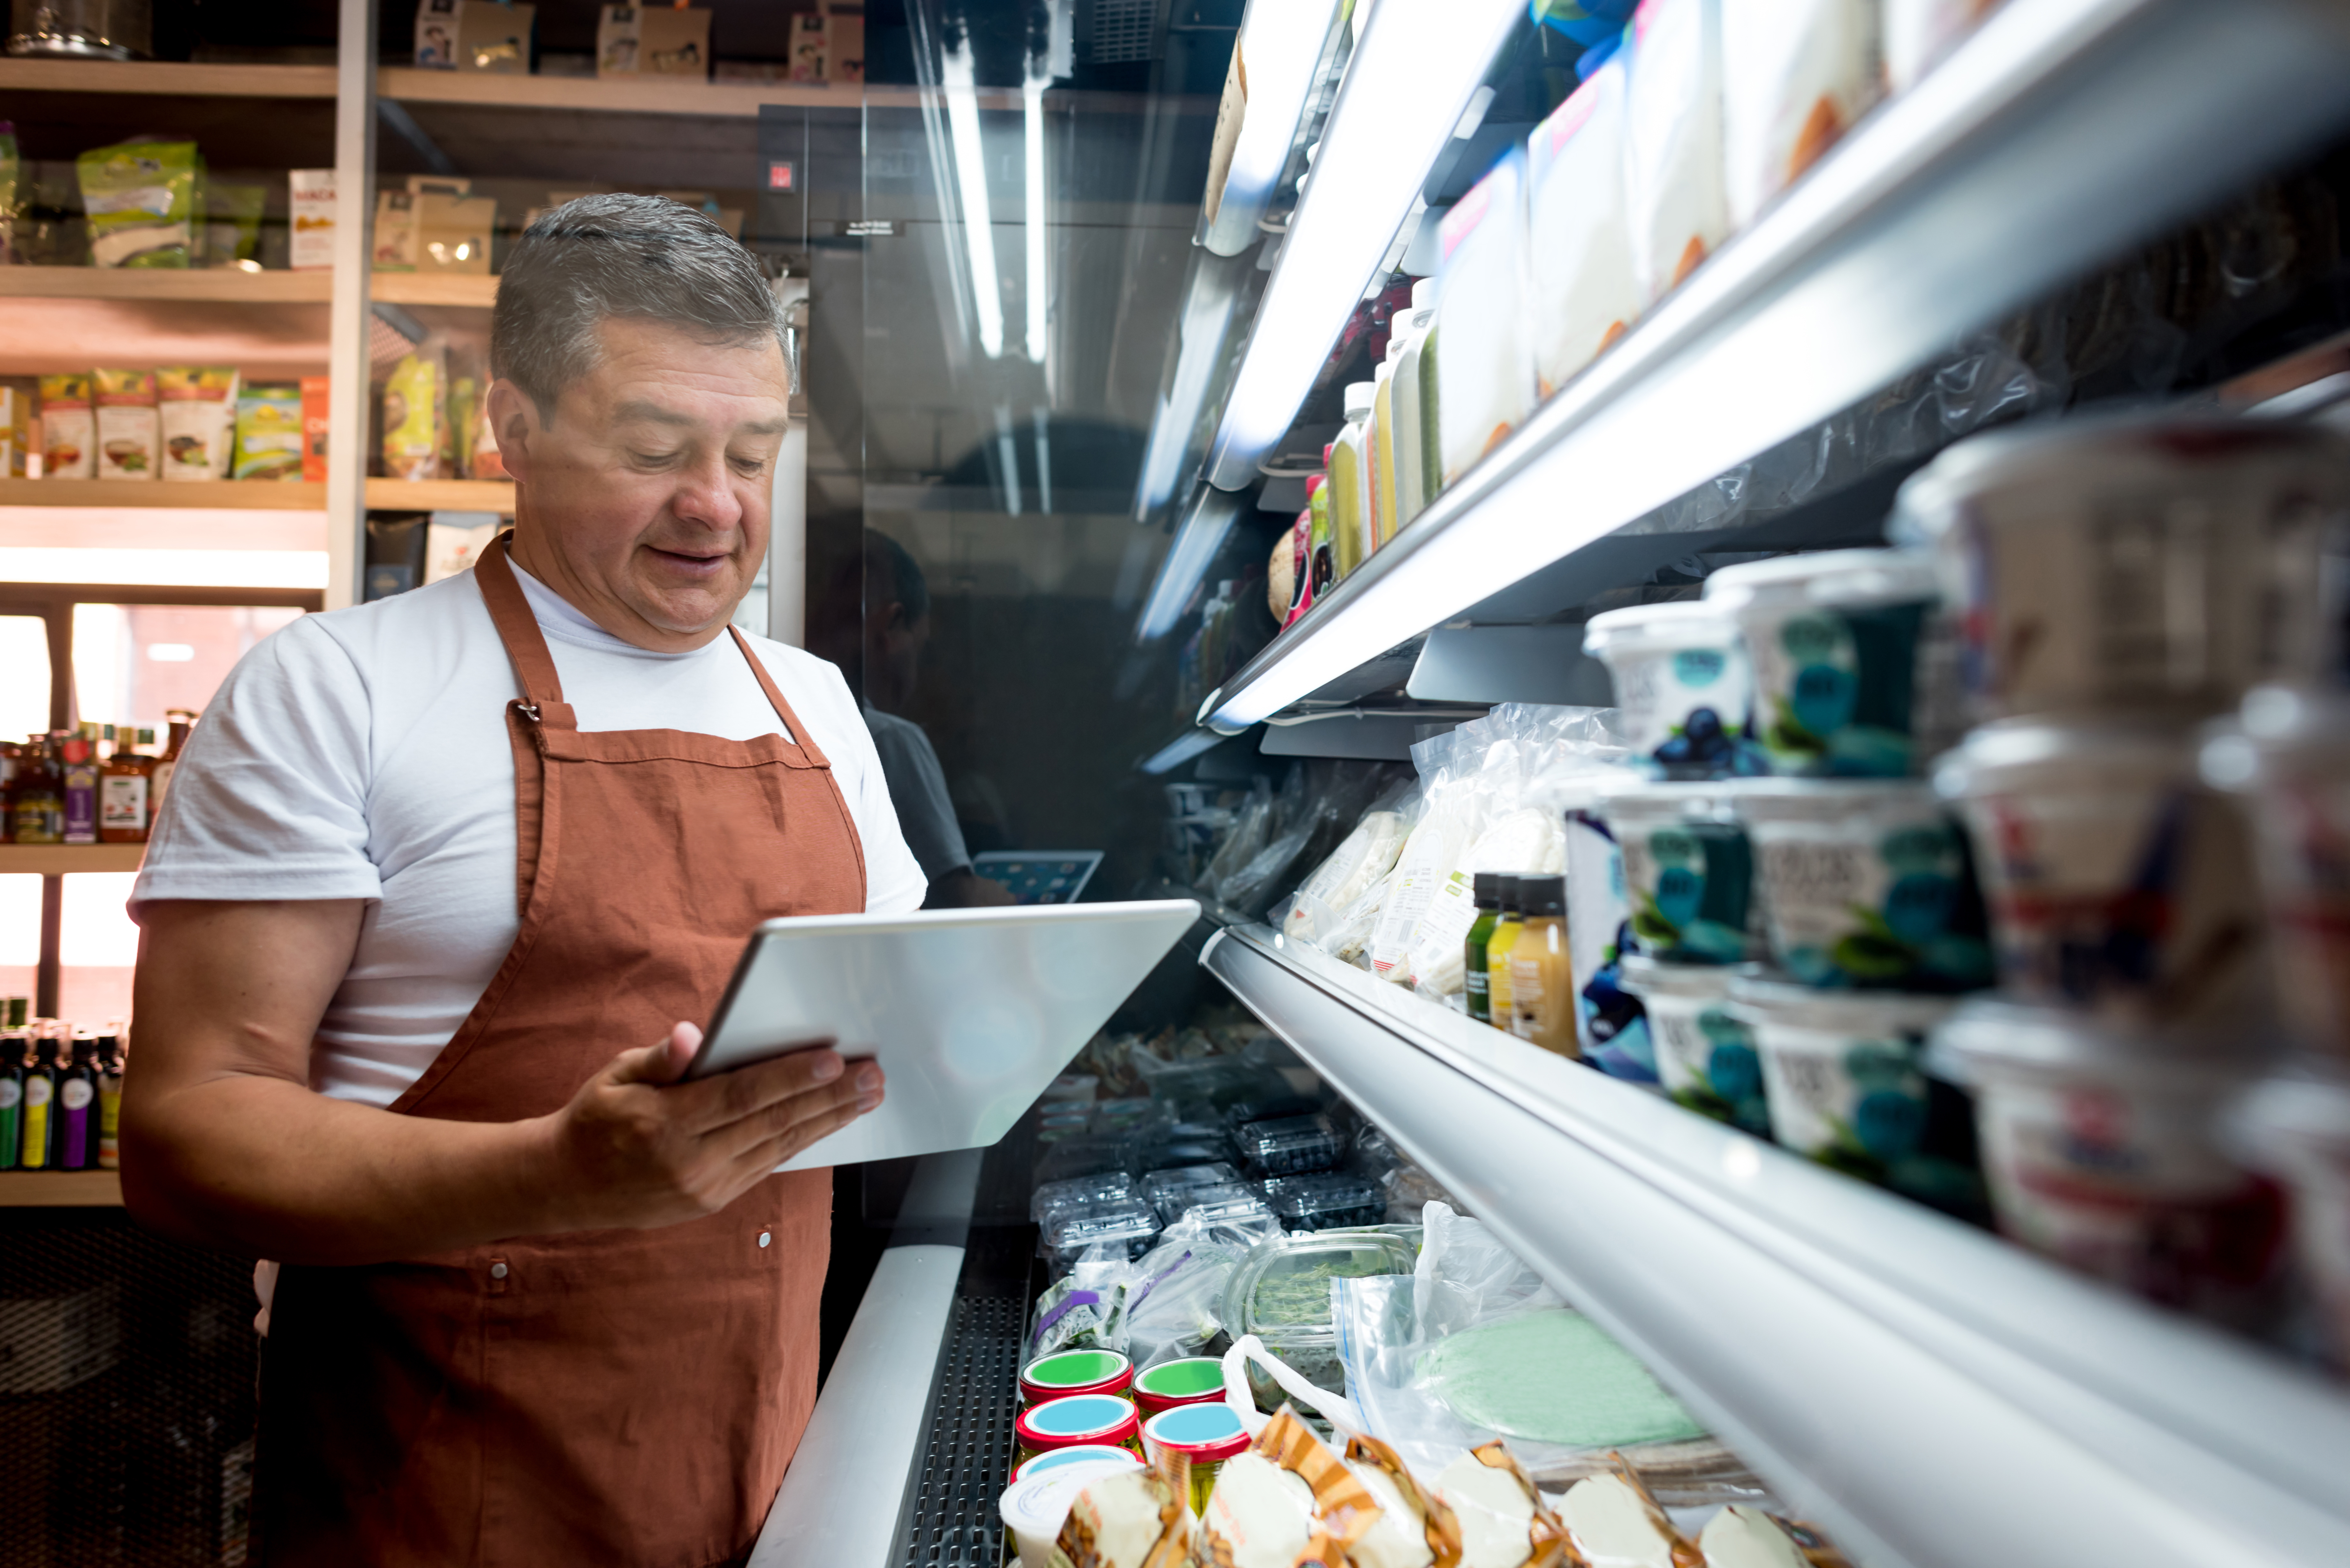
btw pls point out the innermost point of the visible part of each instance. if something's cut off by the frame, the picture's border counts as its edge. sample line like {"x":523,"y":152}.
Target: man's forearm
{"x":258,"y":1165}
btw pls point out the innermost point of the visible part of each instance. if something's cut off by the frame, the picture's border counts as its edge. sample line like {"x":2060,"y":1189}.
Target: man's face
{"x":644,"y":501}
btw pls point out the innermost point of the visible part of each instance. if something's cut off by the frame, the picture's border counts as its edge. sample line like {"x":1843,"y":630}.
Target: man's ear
{"x":513,"y":419}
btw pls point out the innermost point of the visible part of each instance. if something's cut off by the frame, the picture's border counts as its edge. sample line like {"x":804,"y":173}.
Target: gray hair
{"x":645,"y":258}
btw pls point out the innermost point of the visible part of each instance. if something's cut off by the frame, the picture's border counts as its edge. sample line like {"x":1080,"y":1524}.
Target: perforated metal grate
{"x":951,"y":1519}
{"x":1125,"y":30}
{"x":126,"y":1396}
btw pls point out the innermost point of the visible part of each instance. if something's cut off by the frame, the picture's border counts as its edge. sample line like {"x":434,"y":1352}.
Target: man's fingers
{"x":745,"y":1092}
{"x":846,"y":1099}
{"x":770,"y":1152}
{"x":662,"y":1062}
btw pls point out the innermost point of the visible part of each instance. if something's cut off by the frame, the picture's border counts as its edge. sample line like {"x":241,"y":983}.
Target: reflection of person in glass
{"x":896,"y":623}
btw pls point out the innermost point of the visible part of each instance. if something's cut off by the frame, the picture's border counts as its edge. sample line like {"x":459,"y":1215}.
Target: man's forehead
{"x":648,"y":410}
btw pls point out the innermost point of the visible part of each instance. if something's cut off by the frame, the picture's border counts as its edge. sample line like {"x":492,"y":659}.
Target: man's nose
{"x":706,"y":494}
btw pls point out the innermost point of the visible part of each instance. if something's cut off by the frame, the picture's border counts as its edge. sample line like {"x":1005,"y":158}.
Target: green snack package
{"x":140,"y":198}
{"x":268,"y":434}
{"x":232,"y":223}
{"x":12,"y":193}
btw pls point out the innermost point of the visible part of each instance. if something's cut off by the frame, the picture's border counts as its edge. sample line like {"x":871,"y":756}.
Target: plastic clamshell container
{"x":1683,"y":685}
{"x":2289,"y":757}
{"x":1078,"y":1192}
{"x":1280,"y":1293}
{"x":1865,"y":884}
{"x":2137,"y":560}
{"x":2116,"y":882}
{"x":1327,"y":1202}
{"x":1688,"y":871}
{"x":1076,"y":1454}
{"x":1289,"y":1145}
{"x":1853,"y":659}
{"x":1206,"y":1435}
{"x":2295,"y":1126}
{"x":1103,"y":1418}
{"x":1237,"y":1203}
{"x":1166,"y":1189}
{"x":2102,"y":1148}
{"x":1071,"y":1372}
{"x":1121,"y":1220}
{"x":1706,"y":1059}
{"x":1189,"y":1380}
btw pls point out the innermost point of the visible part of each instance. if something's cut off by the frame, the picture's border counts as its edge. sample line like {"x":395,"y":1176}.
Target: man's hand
{"x":636,"y":1147}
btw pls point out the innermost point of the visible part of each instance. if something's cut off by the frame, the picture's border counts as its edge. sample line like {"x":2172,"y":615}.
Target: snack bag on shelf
{"x":268,"y":434}
{"x":16,"y":426}
{"x":310,"y":215}
{"x":198,"y":405}
{"x":129,"y":434}
{"x":1579,"y":248}
{"x":1794,"y":79}
{"x":412,"y":415}
{"x":69,"y":428}
{"x":1484,"y":371}
{"x":1672,"y":140}
{"x":141,"y":201}
{"x":315,"y":395}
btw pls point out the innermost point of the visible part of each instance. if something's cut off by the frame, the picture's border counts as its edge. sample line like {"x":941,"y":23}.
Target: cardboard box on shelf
{"x":436,"y":34}
{"x":452,"y":232}
{"x":673,"y":42}
{"x":129,"y":430}
{"x":15,"y":432}
{"x":311,"y":207}
{"x":69,"y":428}
{"x":314,"y":428}
{"x":494,"y":40}
{"x":616,"y":40}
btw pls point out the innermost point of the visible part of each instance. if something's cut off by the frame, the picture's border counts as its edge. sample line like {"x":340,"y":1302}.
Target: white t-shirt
{"x":918,"y":788}
{"x":363,"y":755}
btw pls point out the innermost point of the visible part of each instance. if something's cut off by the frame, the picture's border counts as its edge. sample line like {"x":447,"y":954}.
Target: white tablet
{"x":970,"y":1012}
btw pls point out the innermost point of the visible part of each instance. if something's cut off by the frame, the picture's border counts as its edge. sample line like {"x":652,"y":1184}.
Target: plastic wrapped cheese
{"x":1366,"y":854}
{"x":1672,"y":140}
{"x":1795,"y":75}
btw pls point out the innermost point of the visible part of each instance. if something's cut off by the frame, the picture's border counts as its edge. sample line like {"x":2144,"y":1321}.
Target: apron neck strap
{"x":791,"y":726}
{"x":510,"y":612}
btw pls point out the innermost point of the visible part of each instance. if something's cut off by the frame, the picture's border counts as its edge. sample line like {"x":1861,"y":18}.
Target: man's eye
{"x":651,"y":459}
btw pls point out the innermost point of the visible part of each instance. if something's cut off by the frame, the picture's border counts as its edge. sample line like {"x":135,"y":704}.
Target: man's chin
{"x":685,"y":614}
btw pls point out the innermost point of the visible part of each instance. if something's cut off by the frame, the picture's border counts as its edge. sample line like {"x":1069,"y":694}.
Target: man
{"x":441,"y":887}
{"x":895,"y":627}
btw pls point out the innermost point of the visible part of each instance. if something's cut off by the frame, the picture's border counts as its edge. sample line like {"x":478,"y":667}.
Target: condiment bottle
{"x":113,"y":1051}
{"x":38,"y":805}
{"x":15,"y":1046}
{"x":1542,"y":979}
{"x":10,"y":758}
{"x":77,"y":1139}
{"x":159,"y":783}
{"x":1325,"y":574}
{"x":40,"y":1092}
{"x":1506,"y":926}
{"x":122,"y":793}
{"x":1477,"y":979}
{"x":81,"y":786}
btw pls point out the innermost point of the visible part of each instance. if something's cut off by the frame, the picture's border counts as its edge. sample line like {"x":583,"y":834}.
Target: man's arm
{"x":225,"y":1145}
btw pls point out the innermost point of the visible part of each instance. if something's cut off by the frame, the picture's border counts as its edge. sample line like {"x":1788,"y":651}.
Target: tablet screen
{"x":1039,"y":876}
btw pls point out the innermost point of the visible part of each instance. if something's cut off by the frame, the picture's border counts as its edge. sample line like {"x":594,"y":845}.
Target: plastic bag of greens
{"x":140,"y":199}
{"x":1170,"y":1303}
{"x":1075,"y":1312}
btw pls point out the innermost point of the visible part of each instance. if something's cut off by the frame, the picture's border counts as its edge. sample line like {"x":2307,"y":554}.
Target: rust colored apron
{"x":611,"y":1396}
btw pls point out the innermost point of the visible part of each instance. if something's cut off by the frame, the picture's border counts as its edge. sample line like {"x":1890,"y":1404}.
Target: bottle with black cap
{"x":1542,"y":979}
{"x":1506,"y":926}
{"x":1477,"y":982}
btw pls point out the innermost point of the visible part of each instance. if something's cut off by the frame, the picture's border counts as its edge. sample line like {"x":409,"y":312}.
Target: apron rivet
{"x":497,"y":1270}
{"x":764,"y":1238}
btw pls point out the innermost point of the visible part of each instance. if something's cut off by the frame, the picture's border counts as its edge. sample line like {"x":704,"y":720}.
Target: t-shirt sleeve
{"x":894,"y":883}
{"x":918,"y":788}
{"x":269,"y":798}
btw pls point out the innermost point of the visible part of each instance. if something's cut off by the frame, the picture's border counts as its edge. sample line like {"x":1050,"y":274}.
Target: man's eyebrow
{"x":654,"y":414}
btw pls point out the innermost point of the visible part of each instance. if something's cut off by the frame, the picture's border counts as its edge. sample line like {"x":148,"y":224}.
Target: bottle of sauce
{"x":40,"y":1093}
{"x":1542,"y":982}
{"x":159,"y":783}
{"x":15,"y":1046}
{"x":38,"y":803}
{"x":77,"y":1111}
{"x":113,"y":1054}
{"x":1476,"y":976}
{"x":80,"y":752}
{"x":1322,"y":556}
{"x":10,"y":758}
{"x":122,"y":794}
{"x":1506,"y":926}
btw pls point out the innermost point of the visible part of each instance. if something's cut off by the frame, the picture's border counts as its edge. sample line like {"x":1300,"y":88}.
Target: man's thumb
{"x":664,"y":1062}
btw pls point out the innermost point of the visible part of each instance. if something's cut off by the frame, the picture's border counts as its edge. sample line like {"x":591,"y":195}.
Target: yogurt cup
{"x":1204,"y":1435}
{"x":1854,"y":660}
{"x":1609,"y":1021}
{"x":2289,"y":757}
{"x":1688,"y":872}
{"x":1705,"y":1054}
{"x":1865,"y":884}
{"x":2133,"y":560}
{"x":1190,"y":1380}
{"x":2102,"y":1151}
{"x":1034,"y":1510}
{"x":1843,"y":1075}
{"x":2115,"y":881}
{"x":1683,"y":685}
{"x":1075,"y":1454}
{"x":1080,"y":1418}
{"x":1068,"y":1372}
{"x":2295,"y":1126}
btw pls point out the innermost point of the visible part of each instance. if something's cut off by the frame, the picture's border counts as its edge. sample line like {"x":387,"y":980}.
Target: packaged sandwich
{"x":1484,"y":369}
{"x":198,"y":409}
{"x":1741,"y":1536}
{"x":1672,"y":141}
{"x":1794,"y":77}
{"x":141,"y":199}
{"x":129,"y":435}
{"x":1135,"y":1519}
{"x":1582,"y":291}
{"x":316,"y":393}
{"x":69,"y":428}
{"x":1502,"y":1519}
{"x":1415,"y":1527}
{"x":268,"y":434}
{"x":1288,"y":1498}
{"x":1612,"y":1519}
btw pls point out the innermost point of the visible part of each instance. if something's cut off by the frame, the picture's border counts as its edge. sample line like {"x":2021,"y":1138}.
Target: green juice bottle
{"x":1477,"y":979}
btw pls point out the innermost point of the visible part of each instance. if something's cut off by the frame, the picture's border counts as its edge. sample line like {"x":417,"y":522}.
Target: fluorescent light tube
{"x":1209,"y":304}
{"x":1281,"y":45}
{"x":1032,"y":122}
{"x":971,"y":181}
{"x":1201,"y":534}
{"x":1408,"y":84}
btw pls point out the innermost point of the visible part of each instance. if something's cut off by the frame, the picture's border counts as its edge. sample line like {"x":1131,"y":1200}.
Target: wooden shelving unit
{"x":440,"y":495}
{"x":237,"y":495}
{"x":224,"y":286}
{"x":169,"y":77}
{"x":61,"y":1190}
{"x":64,"y":859}
{"x":433,"y":288}
{"x":716,"y":100}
